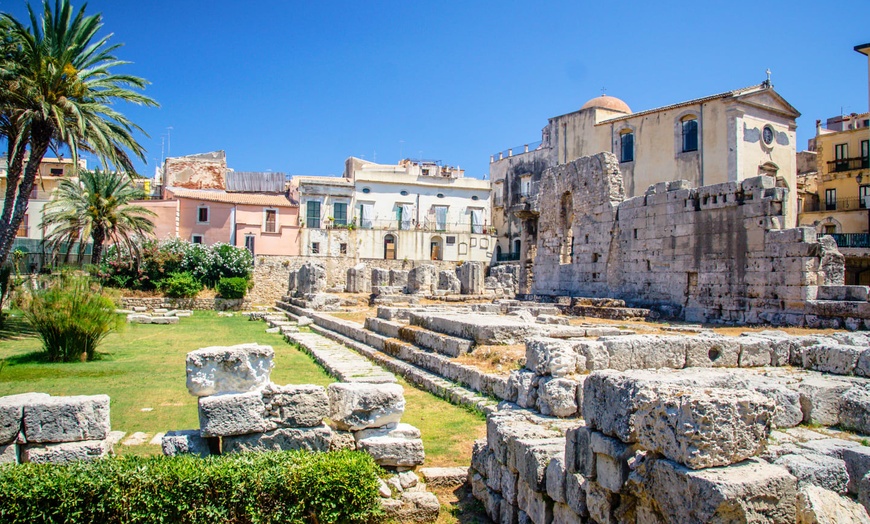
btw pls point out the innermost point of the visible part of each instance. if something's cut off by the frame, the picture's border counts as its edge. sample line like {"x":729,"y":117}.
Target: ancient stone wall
{"x":714,"y":253}
{"x":207,"y":304}
{"x":39,"y":428}
{"x":271,"y":273}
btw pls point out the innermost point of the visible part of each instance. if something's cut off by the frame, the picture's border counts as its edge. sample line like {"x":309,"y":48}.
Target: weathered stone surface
{"x":831,"y":358}
{"x":535,"y":504}
{"x":449,"y":282}
{"x":282,"y":439}
{"x":600,"y":503}
{"x":12,"y":414}
{"x":401,"y":446}
{"x":185,"y":441}
{"x":67,"y":419}
{"x":563,"y":514}
{"x":751,"y":491}
{"x":704,"y":428}
{"x":414,"y":506}
{"x":522,"y":386}
{"x":232,"y":414}
{"x":65,"y":452}
{"x":355,"y":406}
{"x":557,"y":397}
{"x":358,"y":280}
{"x":555,"y":476}
{"x":342,"y":440}
{"x":816,"y":469}
{"x":575,"y":493}
{"x":423,"y":279}
{"x":310,"y":278}
{"x":9,"y":454}
{"x":470,"y":276}
{"x":855,"y":410}
{"x":550,"y":356}
{"x":444,"y":477}
{"x":857,"y":465}
{"x":295,"y":405}
{"x":579,"y":457}
{"x":817,"y":505}
{"x":618,"y":404}
{"x":646,"y":351}
{"x":820,"y":399}
{"x":228,"y":369}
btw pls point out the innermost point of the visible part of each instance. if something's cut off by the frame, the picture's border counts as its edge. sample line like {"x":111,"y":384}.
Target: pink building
{"x":267,"y":224}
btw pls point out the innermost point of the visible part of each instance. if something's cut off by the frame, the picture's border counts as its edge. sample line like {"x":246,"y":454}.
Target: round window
{"x":475,"y":197}
{"x":767,"y":135}
{"x":404,"y":193}
{"x":440,"y":195}
{"x":366,"y":190}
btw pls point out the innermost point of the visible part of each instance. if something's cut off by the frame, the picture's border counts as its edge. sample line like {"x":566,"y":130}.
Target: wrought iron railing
{"x":848,"y":164}
{"x":841,"y":204}
{"x":507,"y":257}
{"x":852,"y":239}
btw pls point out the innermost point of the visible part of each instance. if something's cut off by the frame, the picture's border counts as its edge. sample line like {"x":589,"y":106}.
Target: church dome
{"x":607,"y":102}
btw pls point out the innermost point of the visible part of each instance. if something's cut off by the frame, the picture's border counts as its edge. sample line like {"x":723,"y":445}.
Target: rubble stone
{"x":65,"y":452}
{"x":67,"y":419}
{"x":228,"y":369}
{"x":355,"y":406}
{"x":282,"y":439}
{"x":183,"y":442}
{"x":817,"y":505}
{"x":12,"y":413}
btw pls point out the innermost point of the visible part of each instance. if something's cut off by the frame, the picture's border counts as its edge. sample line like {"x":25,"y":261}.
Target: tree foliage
{"x":57,"y":87}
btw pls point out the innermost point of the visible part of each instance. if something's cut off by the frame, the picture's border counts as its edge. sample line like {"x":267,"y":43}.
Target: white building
{"x":411,"y":210}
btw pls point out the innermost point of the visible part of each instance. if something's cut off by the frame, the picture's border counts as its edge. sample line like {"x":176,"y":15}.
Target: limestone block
{"x":342,"y":440}
{"x":575,"y":493}
{"x":555,"y":479}
{"x":357,"y":405}
{"x":787,"y":402}
{"x":864,"y":491}
{"x":12,"y":414}
{"x":183,"y":442}
{"x":9,"y":454}
{"x":579,"y":457}
{"x":533,"y":456}
{"x":380,"y":277}
{"x":830,"y":358}
{"x":310,"y":278}
{"x":66,"y":419}
{"x":282,"y":439}
{"x":817,"y":469}
{"x":470,"y":276}
{"x":712,"y":351}
{"x":832,"y":447}
{"x":449,"y":282}
{"x":820,"y":399}
{"x":65,"y":452}
{"x":413,"y":506}
{"x":522,"y":385}
{"x":646,"y":351}
{"x":422,"y":279}
{"x":295,"y":405}
{"x":508,"y":483}
{"x":358,"y":280}
{"x":563,"y":514}
{"x":862,"y":368}
{"x":135,"y":318}
{"x":557,"y":397}
{"x":857,"y":465}
{"x":535,"y":504}
{"x":754,"y":351}
{"x":228,"y":369}
{"x":401,"y":446}
{"x":600,"y":503}
{"x":817,"y":505}
{"x":164,"y":320}
{"x":503,"y":428}
{"x":750,"y":491}
{"x":399,"y":278}
{"x":855,"y":410}
{"x":549,"y":356}
{"x":444,"y":477}
{"x":232,"y":414}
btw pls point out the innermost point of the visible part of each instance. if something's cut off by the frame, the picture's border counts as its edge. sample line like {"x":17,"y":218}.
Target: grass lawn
{"x":143,"y":368}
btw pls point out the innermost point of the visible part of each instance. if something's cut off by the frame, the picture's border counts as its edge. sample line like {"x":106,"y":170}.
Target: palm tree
{"x":96,"y":206}
{"x":56,"y":87}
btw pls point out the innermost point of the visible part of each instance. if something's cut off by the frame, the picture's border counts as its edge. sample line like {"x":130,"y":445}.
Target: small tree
{"x":71,"y":316}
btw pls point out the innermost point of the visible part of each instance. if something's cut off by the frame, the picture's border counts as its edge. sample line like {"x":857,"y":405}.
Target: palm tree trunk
{"x":39,"y":139}
{"x":99,"y":235}
{"x":13,"y":175}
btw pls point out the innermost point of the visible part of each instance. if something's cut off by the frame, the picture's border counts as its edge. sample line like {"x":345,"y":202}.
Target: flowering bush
{"x":157,"y":260}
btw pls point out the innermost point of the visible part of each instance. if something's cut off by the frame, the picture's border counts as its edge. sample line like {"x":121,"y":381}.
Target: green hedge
{"x":232,"y":287}
{"x":262,"y":488}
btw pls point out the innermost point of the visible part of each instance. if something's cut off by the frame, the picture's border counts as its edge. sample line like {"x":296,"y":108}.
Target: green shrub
{"x":273,"y":487}
{"x":232,"y":287}
{"x":71,"y":316}
{"x":180,"y":285}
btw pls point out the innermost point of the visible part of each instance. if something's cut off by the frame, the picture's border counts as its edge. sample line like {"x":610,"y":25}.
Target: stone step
{"x":383,"y":327}
{"x":444,"y":477}
{"x":339,"y":361}
{"x":438,"y":342}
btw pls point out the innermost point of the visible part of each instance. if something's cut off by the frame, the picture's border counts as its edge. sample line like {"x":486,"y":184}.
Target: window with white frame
{"x":202,"y":215}
{"x":196,"y":239}
{"x":270,"y":220}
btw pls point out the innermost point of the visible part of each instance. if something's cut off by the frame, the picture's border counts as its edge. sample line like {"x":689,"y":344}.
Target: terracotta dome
{"x":607,"y":102}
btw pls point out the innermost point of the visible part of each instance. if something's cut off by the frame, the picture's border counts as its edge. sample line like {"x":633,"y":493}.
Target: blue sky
{"x":298,"y":87}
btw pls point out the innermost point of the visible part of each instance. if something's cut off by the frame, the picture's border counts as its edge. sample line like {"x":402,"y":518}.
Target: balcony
{"x":848,"y":164}
{"x":859,"y":240}
{"x":507,"y":257}
{"x":841,"y":204}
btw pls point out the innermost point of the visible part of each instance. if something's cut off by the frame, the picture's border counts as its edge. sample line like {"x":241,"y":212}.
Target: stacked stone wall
{"x":199,"y":304}
{"x":714,"y":253}
{"x":39,"y":428}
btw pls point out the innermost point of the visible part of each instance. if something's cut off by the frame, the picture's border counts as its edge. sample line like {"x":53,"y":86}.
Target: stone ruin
{"x":241,"y":410}
{"x":141,"y":315}
{"x":716,"y":253}
{"x":307,"y":287}
{"x":39,"y":428}
{"x":655,"y":429}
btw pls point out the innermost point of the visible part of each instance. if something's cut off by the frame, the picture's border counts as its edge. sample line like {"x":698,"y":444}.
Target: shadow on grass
{"x":465,"y":508}
{"x":16,"y":328}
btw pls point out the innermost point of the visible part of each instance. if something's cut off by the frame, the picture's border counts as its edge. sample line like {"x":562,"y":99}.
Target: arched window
{"x":389,"y":247}
{"x":626,"y":146}
{"x":690,"y":133}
